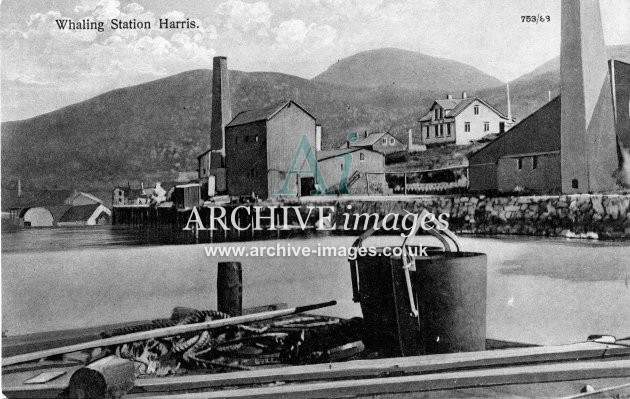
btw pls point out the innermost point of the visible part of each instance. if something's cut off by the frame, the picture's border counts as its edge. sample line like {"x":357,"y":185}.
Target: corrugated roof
{"x":79,"y":213}
{"x":262,"y":114}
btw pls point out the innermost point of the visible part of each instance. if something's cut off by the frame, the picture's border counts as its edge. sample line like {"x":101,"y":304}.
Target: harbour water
{"x":540,"y":290}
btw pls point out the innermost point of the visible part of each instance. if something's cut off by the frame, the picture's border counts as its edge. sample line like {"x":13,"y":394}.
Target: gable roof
{"x":456,"y":106}
{"x":58,"y":211}
{"x":262,"y":114}
{"x":204,"y":153}
{"x":88,"y":195}
{"x":372,"y":139}
{"x":327,"y":154}
{"x":324,"y":155}
{"x":79,"y":213}
{"x":539,"y":132}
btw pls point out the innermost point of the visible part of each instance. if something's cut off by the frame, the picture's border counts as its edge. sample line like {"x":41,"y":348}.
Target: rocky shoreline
{"x":591,"y":216}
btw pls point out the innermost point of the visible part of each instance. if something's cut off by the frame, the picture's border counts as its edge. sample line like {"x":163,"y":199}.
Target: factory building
{"x":570,"y":145}
{"x":263,"y":147}
{"x":529,"y":155}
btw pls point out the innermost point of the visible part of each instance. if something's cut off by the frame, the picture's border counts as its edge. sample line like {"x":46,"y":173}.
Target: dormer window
{"x":437,"y":113}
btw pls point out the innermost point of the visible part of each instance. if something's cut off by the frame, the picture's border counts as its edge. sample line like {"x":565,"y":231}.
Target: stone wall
{"x":579,"y":215}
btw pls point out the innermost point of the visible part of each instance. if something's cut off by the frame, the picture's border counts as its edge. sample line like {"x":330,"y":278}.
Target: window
{"x":486,"y":126}
{"x":256,"y":138}
{"x":384,"y":141}
{"x":574,"y":183}
{"x":476,"y":109}
{"x":467,"y":126}
{"x":362,"y":157}
{"x":519,"y":163}
{"x":341,"y":166}
{"x":436,"y":113}
{"x":247,"y":139}
{"x":534,"y":162}
{"x":392,"y":141}
{"x":236,"y":140}
{"x":427,"y":132}
{"x":441,"y":113}
{"x":441,"y":130}
{"x":436,"y":130}
{"x":448,"y":129}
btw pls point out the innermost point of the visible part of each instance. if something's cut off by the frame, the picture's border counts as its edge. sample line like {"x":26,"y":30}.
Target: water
{"x":544,"y":291}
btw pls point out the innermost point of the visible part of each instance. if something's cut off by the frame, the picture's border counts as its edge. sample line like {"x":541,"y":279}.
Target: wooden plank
{"x":390,"y":366}
{"x":19,"y":344}
{"x":617,"y":391}
{"x":541,"y":373}
{"x":13,"y":382}
{"x":161,"y":332}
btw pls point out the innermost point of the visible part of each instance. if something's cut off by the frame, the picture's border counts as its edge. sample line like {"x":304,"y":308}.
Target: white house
{"x":460,"y":121}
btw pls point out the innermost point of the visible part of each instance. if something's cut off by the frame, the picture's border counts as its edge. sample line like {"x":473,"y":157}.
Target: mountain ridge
{"x":155,"y":130}
{"x":371,"y":68}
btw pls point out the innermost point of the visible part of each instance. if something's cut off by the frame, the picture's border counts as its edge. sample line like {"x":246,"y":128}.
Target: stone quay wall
{"x":605,"y":216}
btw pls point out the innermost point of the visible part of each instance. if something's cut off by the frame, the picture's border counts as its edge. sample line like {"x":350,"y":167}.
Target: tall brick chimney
{"x":221,"y":110}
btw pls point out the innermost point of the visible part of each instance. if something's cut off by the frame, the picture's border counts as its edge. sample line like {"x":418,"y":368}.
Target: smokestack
{"x":410,"y":139}
{"x":509,"y":106}
{"x":19,"y":188}
{"x":318,"y":137}
{"x":587,"y":127}
{"x":221,"y":106}
{"x":548,"y":95}
{"x":464,"y":94}
{"x":449,"y":96}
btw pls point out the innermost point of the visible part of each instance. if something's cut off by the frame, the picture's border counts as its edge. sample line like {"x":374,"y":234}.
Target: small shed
{"x":89,"y":215}
{"x":186,"y":196}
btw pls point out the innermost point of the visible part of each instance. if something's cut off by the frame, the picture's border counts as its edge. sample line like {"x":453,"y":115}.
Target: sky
{"x":43,"y":68}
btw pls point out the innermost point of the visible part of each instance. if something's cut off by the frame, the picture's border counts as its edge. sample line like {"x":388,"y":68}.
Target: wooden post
{"x":405,"y":183}
{"x":230,"y":288}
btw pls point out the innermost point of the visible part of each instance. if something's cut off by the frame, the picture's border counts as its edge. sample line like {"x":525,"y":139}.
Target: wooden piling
{"x":230,"y":288}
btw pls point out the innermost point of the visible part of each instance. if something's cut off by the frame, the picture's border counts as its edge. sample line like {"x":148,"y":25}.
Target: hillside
{"x":530,"y":90}
{"x":405,"y":69}
{"x":151,"y":131}
{"x":620,"y":52}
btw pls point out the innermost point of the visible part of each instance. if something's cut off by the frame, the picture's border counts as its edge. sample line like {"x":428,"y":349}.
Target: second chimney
{"x":449,"y":96}
{"x":221,"y":105}
{"x":464,"y":94}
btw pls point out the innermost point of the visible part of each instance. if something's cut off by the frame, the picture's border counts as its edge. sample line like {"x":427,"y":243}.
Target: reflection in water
{"x":540,"y":290}
{"x":75,"y":237}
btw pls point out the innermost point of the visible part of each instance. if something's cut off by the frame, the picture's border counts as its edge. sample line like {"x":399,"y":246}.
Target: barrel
{"x":449,"y":292}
